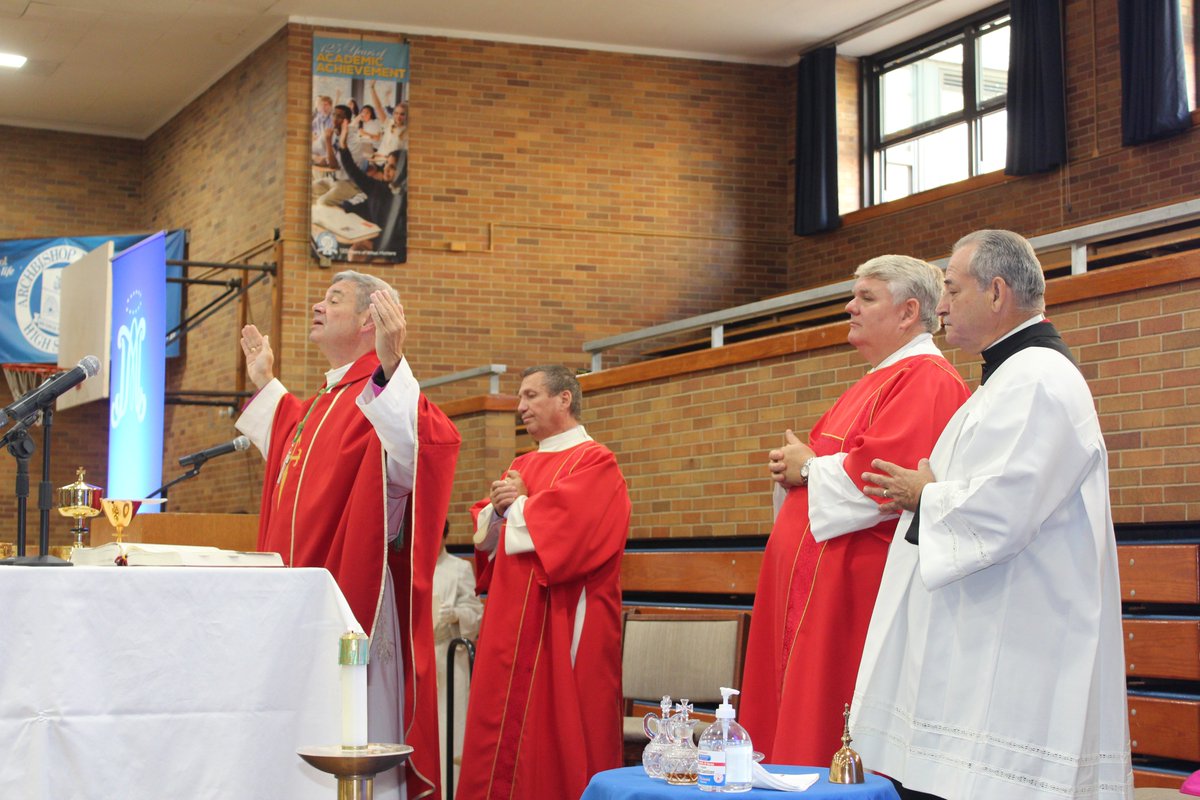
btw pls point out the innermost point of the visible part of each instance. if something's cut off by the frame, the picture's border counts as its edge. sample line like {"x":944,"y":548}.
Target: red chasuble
{"x":814,"y":599}
{"x":538,"y":725}
{"x":329,"y":511}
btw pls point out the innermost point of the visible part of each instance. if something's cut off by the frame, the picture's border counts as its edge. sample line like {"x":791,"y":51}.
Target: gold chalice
{"x":121,"y":512}
{"x":79,"y":501}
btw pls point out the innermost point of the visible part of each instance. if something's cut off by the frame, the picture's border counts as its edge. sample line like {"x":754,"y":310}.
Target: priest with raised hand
{"x":994,"y":666}
{"x":545,"y":712}
{"x":826,"y":552}
{"x":358,"y":481}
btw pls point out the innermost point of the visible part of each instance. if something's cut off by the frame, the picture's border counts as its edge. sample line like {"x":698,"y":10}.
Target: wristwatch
{"x":805,"y":468}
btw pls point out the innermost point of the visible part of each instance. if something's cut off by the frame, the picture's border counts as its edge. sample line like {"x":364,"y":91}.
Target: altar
{"x":151,"y":682}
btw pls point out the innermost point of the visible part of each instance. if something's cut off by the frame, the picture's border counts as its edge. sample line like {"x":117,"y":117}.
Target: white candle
{"x":352,"y":656}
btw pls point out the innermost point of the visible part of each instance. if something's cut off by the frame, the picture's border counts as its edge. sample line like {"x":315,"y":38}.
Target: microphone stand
{"x":191,"y":473}
{"x":21,"y":446}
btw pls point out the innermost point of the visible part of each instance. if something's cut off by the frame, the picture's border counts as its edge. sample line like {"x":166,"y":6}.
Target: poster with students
{"x":360,"y":150}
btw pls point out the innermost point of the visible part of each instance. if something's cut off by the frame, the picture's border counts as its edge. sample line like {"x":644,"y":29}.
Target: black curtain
{"x":1037,"y":120}
{"x":1154,"y":101}
{"x":816,"y":143}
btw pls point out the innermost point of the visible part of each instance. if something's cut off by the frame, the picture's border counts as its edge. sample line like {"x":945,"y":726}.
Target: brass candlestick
{"x":847,"y":766}
{"x":356,"y":768}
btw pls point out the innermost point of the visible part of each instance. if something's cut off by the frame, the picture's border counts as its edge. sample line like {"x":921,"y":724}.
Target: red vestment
{"x":329,"y":511}
{"x":539,"y":723}
{"x":814,"y":599}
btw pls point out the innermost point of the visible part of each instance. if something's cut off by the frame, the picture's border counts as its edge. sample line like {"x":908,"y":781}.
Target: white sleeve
{"x":466,"y":603}
{"x":393,"y":414}
{"x":516,"y":533}
{"x":487,"y":530}
{"x":836,"y":506}
{"x":1017,"y":459}
{"x":256,"y":418}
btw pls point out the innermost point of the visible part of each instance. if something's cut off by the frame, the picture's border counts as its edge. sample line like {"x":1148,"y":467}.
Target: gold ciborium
{"x":79,"y":501}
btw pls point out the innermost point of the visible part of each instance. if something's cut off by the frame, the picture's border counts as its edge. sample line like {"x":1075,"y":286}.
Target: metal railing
{"x":493,"y":371}
{"x":1077,"y":239}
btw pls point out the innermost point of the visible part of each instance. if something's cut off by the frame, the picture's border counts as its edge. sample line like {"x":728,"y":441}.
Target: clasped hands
{"x":506,"y":490}
{"x":901,"y":488}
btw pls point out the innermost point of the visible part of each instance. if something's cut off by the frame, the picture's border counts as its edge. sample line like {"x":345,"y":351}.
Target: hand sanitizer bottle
{"x":726,"y":754}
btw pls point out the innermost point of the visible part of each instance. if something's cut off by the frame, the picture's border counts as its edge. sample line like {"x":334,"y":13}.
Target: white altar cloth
{"x":181,"y":682}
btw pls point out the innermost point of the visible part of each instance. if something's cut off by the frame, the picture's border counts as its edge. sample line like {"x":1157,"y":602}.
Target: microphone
{"x":237,"y":445}
{"x":41,"y":397}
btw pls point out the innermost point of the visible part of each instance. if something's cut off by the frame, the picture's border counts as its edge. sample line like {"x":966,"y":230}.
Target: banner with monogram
{"x":30,"y":276}
{"x":138,"y":377}
{"x":360,"y":150}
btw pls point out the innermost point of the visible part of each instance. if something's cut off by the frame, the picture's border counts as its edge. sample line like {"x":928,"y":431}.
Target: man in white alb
{"x":994,"y":667}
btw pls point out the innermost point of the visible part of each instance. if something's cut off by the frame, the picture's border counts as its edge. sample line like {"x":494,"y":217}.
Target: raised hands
{"x":391,"y":330}
{"x":260,"y":359}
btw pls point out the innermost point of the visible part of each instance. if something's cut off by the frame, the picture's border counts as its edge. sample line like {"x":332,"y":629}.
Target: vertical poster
{"x":138,"y":370}
{"x":360,"y":150}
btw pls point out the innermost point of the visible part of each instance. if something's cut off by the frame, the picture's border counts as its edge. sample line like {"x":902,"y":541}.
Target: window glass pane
{"x":993,"y":142}
{"x":942,"y":157}
{"x":993,"y":61}
{"x":896,"y":167}
{"x":924,"y":90}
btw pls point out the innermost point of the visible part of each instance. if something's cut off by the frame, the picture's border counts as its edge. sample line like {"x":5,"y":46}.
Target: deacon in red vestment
{"x":824,"y":559}
{"x":545,"y":709}
{"x":341,"y":484}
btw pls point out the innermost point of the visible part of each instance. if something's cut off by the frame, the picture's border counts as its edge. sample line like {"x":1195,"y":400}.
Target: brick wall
{"x":693,"y":446}
{"x":1103,"y":179}
{"x":596,"y":193}
{"x":94,"y":183}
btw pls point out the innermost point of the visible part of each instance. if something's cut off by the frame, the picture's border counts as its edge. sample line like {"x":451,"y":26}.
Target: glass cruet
{"x":657,"y":728}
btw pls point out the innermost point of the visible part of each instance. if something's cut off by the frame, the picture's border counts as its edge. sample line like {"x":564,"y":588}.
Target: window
{"x":935,"y":108}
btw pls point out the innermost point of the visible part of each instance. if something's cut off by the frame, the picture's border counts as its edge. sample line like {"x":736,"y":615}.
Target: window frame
{"x":966,"y":31}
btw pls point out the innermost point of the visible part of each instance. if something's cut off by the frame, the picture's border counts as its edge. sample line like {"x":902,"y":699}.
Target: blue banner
{"x":138,"y":376}
{"x":30,"y":277}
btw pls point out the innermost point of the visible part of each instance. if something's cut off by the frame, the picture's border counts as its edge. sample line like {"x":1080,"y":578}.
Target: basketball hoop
{"x":24,"y":377}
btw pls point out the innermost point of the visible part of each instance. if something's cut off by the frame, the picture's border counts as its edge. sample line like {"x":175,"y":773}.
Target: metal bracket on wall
{"x":234,"y":288}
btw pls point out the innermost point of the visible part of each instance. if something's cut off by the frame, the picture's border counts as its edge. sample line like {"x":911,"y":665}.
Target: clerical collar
{"x":920,"y":345}
{"x":564,"y":441}
{"x":1035,"y":332}
{"x":336,"y":374}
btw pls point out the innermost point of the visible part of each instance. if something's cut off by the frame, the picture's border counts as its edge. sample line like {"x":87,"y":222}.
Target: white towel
{"x":782,"y":783}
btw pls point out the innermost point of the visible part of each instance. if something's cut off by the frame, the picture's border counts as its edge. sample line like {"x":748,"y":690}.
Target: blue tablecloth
{"x":631,"y":783}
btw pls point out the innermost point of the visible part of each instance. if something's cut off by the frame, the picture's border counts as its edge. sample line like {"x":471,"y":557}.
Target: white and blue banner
{"x":30,"y":277}
{"x":138,"y":376}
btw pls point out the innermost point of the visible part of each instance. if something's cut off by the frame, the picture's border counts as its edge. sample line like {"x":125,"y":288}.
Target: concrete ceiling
{"x":125,"y":67}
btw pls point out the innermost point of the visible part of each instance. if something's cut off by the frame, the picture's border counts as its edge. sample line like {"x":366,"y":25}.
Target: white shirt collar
{"x":564,"y":441}
{"x":1034,"y":320}
{"x":920,"y":345}
{"x":336,"y":374}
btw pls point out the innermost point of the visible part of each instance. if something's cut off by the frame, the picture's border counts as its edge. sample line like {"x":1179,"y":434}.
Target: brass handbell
{"x":847,"y":766}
